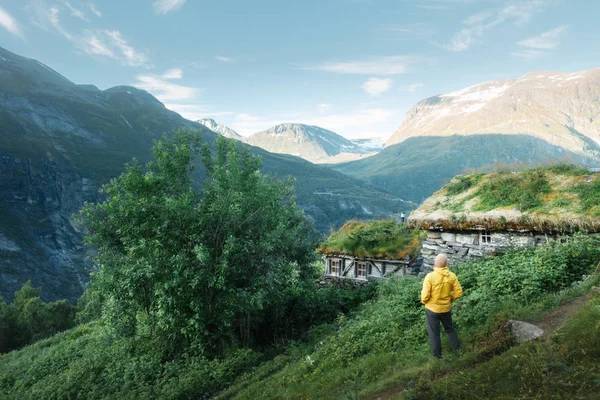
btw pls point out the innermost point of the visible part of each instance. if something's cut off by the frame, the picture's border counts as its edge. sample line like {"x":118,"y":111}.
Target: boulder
{"x":523,"y":331}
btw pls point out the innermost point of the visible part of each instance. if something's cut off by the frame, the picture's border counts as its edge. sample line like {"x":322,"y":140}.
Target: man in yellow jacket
{"x":440,"y":288}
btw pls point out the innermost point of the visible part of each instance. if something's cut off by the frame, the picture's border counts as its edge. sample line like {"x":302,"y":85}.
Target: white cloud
{"x":224,"y":59}
{"x":94,"y":46}
{"x":478,"y":24}
{"x":164,"y":90}
{"x":528,"y":54}
{"x":104,"y":43}
{"x":9,"y":23}
{"x":94,"y":10}
{"x":174,"y":73}
{"x":392,"y":65}
{"x":376,"y":86}
{"x":412,"y":88}
{"x":53,"y":16}
{"x":165,"y":6}
{"x":130,"y":56}
{"x":76,"y":12}
{"x":547,"y":40}
{"x":176,"y":97}
{"x":323,"y":107}
{"x":110,"y":44}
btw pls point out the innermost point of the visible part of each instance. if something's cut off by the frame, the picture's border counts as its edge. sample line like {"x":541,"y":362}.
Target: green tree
{"x":5,"y":325}
{"x":196,"y":269}
{"x":29,"y":319}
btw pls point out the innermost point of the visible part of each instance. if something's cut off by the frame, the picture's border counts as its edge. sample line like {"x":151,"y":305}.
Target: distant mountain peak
{"x":559,"y":107}
{"x":220,"y":128}
{"x":310,"y":142}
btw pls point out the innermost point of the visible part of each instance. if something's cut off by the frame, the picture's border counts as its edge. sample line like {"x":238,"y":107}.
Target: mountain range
{"x":62,"y":141}
{"x":540,"y":117}
{"x":312,"y":143}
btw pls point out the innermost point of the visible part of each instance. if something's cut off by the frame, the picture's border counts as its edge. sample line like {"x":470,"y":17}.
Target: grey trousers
{"x":433,"y":328}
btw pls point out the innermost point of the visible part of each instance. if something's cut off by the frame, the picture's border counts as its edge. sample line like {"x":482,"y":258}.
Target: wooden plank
{"x":348,"y":267}
{"x":375,"y":265}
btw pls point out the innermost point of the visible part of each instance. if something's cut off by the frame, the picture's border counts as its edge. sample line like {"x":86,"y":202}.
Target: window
{"x":485,"y":237}
{"x":334,"y":267}
{"x":361,"y":269}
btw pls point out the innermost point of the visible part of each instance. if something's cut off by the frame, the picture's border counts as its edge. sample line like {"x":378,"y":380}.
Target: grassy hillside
{"x":419,"y":166}
{"x":382,"y":348}
{"x":385,"y":344}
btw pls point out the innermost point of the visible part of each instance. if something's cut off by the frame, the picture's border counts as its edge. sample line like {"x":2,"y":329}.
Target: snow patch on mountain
{"x":220,"y":128}
{"x":561,"y":108}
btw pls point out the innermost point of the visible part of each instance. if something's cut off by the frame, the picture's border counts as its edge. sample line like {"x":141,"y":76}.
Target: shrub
{"x":29,"y":319}
{"x":461,"y":184}
{"x":522,"y":275}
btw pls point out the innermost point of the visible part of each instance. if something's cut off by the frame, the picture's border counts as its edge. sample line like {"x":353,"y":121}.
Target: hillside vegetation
{"x":381,"y":347}
{"x":385,"y":344}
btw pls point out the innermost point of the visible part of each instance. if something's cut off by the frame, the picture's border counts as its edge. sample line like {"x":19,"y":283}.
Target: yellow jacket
{"x":440,"y":288}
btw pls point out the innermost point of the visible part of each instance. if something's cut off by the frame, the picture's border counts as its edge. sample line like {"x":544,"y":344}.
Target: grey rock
{"x":448,"y":237}
{"x":434,"y":235}
{"x":524,"y":331}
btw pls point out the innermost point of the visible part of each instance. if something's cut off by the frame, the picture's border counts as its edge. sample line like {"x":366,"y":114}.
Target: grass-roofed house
{"x":361,"y":250}
{"x":476,"y":215}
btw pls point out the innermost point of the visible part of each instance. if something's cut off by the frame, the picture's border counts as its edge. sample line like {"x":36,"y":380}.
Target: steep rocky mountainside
{"x":561,"y":108}
{"x":220,"y":129}
{"x":62,"y":141}
{"x":310,"y":142}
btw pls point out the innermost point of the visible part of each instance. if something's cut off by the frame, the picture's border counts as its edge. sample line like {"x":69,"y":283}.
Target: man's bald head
{"x":441,"y":261}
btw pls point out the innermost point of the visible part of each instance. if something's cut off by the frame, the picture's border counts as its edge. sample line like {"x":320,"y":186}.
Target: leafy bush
{"x":567,"y":169}
{"x":522,"y":275}
{"x":461,"y":184}
{"x":589,"y":195}
{"x":29,"y":319}
{"x":198,"y":271}
{"x":90,"y":363}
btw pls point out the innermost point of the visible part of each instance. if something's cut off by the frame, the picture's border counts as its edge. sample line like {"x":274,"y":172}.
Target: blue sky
{"x":352,"y":66}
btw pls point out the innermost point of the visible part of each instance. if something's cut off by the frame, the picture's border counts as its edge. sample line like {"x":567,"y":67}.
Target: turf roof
{"x":380,"y":239}
{"x":559,"y":198}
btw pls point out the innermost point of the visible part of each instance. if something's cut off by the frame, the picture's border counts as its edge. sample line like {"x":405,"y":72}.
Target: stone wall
{"x":461,"y":245}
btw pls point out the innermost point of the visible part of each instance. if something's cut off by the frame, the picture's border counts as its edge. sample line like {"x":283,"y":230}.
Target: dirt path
{"x":556,"y":318}
{"x":549,"y":322}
